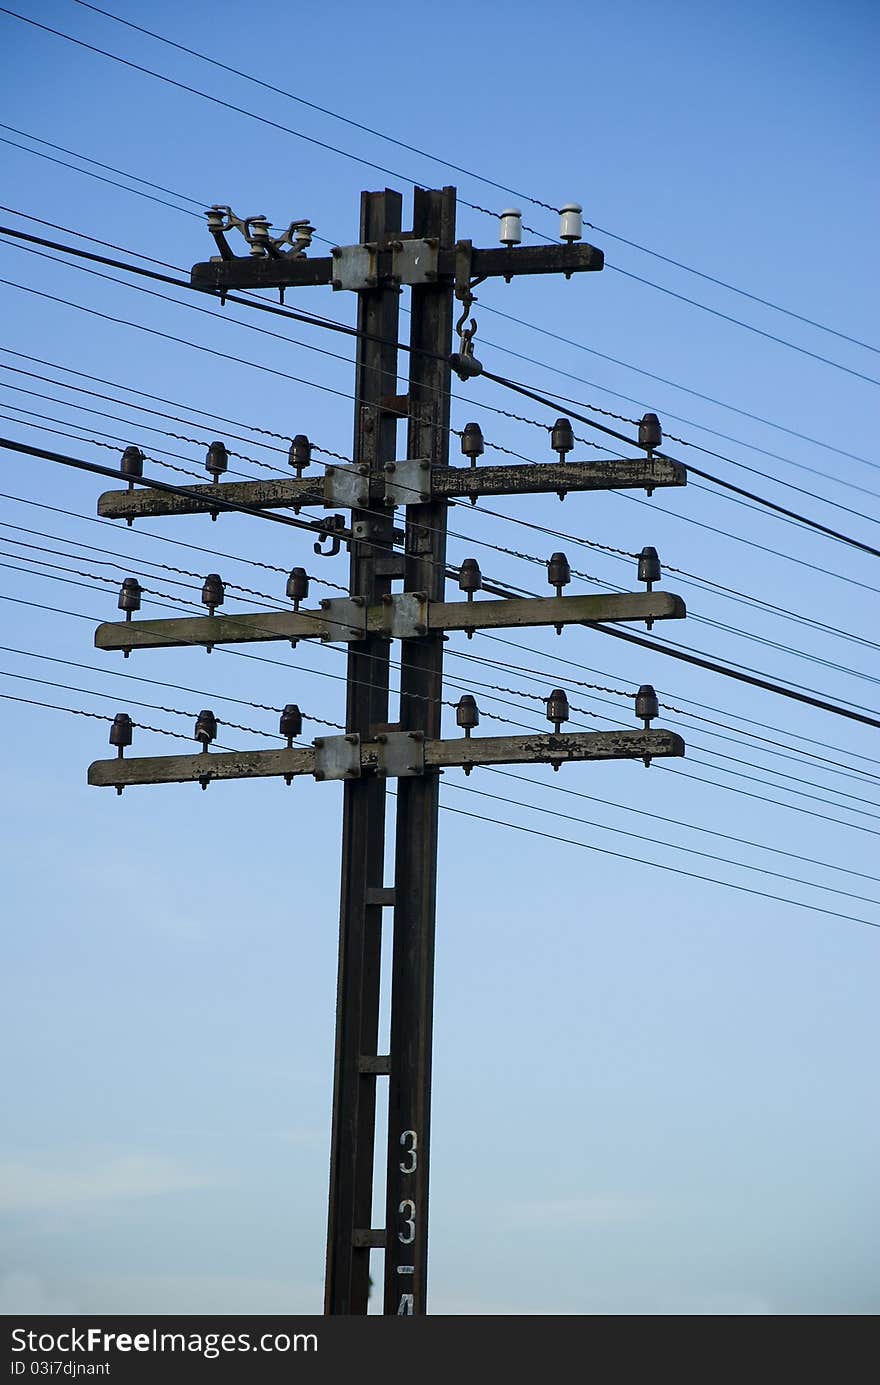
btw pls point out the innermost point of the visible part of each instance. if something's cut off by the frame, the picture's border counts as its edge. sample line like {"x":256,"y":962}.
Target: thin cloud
{"x":32,"y":1187}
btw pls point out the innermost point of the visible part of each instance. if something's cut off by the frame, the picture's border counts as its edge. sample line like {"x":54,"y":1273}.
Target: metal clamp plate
{"x":400,"y":754}
{"x":415,"y":261}
{"x":337,"y":757}
{"x":347,"y":486}
{"x":405,"y":615}
{"x":354,"y":267}
{"x":408,"y":482}
{"x":345,"y":618}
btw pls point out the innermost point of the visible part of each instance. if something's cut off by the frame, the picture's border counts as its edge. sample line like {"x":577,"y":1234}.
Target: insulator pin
{"x":472,"y":444}
{"x":121,"y":731}
{"x":130,"y":596}
{"x":132,"y":463}
{"x":647,"y":706}
{"x":557,"y":709}
{"x":558,"y":572}
{"x":571,"y":222}
{"x":510,"y":226}
{"x":300,"y":453}
{"x":213,"y":591}
{"x":467,"y":714}
{"x":649,"y":567}
{"x":216,"y":460}
{"x":470,"y":578}
{"x":562,"y":438}
{"x":650,"y":433}
{"x":298,"y":586}
{"x":206,"y":728}
{"x":291,"y":722}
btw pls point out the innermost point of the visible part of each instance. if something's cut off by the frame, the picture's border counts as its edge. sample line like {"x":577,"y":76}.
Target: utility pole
{"x":438,"y":269}
{"x":415,"y":869}
{"x":362,"y":892}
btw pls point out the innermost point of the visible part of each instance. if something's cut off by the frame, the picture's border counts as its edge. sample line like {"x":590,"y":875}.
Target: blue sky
{"x":653,"y":1093}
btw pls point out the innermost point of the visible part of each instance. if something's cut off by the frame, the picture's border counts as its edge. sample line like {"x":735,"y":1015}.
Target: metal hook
{"x":466,"y":334}
{"x":330,"y":531}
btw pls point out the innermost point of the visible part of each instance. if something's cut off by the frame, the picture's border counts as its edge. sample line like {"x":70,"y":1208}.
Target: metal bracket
{"x":337,"y":757}
{"x":346,"y":618}
{"x":348,"y":486}
{"x":407,"y":482}
{"x":415,"y":261}
{"x":405,"y":615}
{"x":331,"y":530}
{"x":400,"y":754}
{"x":354,"y":267}
{"x":368,"y":529}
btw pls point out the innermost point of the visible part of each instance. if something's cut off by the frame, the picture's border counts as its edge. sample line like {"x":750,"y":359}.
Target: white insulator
{"x":510,"y":230}
{"x":571,"y":221}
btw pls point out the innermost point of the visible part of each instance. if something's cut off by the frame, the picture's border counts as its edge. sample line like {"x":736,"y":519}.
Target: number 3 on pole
{"x":407,"y":1210}
{"x":410,"y":1136}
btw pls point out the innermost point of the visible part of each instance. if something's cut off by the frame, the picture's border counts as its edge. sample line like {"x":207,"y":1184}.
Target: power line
{"x":253,"y":300}
{"x":671,"y":846}
{"x":469,"y":173}
{"x":477,"y":683}
{"x":640,"y":860}
{"x":780,"y":510}
{"x":674,"y":384}
{"x":679,"y":822}
{"x":158,"y":187}
{"x":703,"y":582}
{"x":707,"y":476}
{"x":556,"y":658}
{"x":78,"y":464}
{"x":728,"y":788}
{"x":495,"y":688}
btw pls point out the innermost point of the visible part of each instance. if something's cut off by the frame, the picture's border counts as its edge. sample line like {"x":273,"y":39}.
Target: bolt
{"x":330,"y":471}
{"x":336,"y":284}
{"x":319,"y":774}
{"x":324,"y":603}
{"x":336,"y":251}
{"x":390,"y":466}
{"x":363,"y":499}
{"x":319,"y":743}
{"x":364,"y":470}
{"x":421,"y":629}
{"x":352,"y":740}
{"x":382,"y":738}
{"x":371,"y":281}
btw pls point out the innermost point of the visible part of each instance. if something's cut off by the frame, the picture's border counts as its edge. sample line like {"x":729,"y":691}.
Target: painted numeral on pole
{"x":407,"y":1209}
{"x":412,"y":1153}
{"x":405,"y":1307}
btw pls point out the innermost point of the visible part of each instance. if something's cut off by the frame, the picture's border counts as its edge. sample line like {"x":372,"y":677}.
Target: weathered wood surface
{"x":476,"y":750}
{"x":258,"y":272}
{"x":535,"y":478}
{"x":262,"y":626}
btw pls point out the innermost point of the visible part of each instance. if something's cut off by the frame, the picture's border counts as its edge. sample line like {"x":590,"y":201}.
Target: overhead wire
{"x":733,"y":490}
{"x":299,"y":134}
{"x":264,"y":659}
